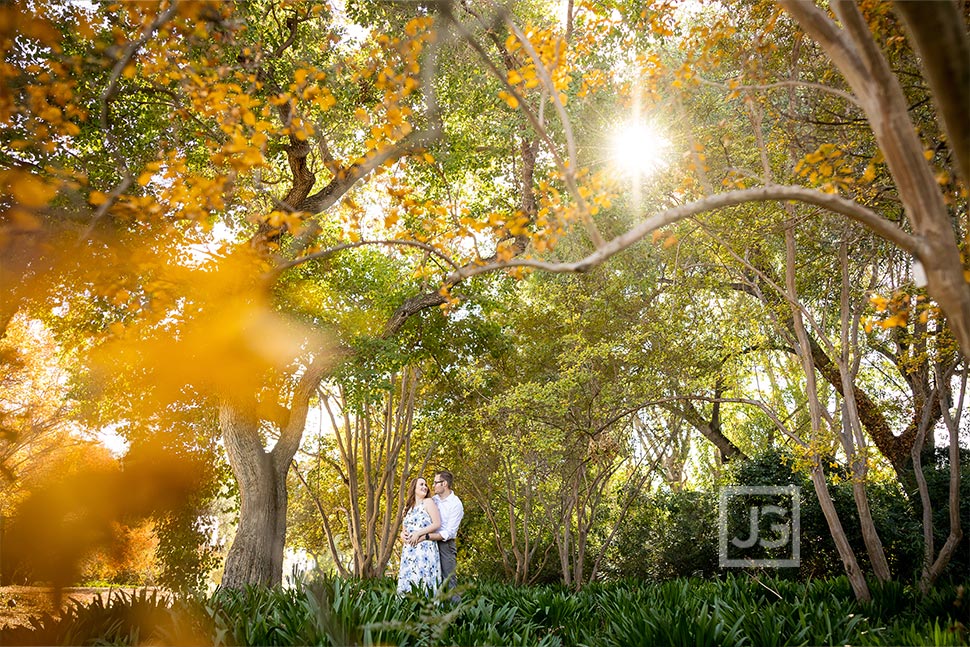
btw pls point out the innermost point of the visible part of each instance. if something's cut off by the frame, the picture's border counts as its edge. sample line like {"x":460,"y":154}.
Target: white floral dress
{"x":420,"y":565}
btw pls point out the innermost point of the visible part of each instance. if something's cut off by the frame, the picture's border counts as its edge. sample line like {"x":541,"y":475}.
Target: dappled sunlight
{"x":598,"y":259}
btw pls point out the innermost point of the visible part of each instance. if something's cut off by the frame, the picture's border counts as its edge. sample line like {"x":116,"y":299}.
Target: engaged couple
{"x":429,"y":555}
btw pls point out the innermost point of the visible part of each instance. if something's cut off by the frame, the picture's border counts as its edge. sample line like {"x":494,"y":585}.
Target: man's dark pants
{"x":448,"y":554}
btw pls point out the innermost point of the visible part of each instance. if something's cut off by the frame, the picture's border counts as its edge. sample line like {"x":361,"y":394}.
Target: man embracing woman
{"x":429,"y":555}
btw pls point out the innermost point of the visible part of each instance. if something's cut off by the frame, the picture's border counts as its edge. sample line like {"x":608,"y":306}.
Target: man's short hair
{"x":447,"y":477}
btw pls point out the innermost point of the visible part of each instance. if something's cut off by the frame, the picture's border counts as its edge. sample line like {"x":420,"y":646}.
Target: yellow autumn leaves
{"x":232,"y":337}
{"x":549,"y":46}
{"x":897,"y":310}
{"x":828,"y":169}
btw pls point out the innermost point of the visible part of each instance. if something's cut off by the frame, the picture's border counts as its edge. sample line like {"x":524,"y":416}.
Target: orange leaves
{"x":509,"y":99}
{"x":239,"y":153}
{"x":415,"y":25}
{"x":666,"y":239}
{"x":16,"y":20}
{"x":30,"y":195}
{"x":593,"y":81}
{"x":309,"y":86}
{"x":899,"y":310}
{"x":27,"y":189}
{"x":550,"y":48}
{"x":659,"y":18}
{"x":734,"y":180}
{"x":392,"y":68}
{"x":230,"y":335}
{"x":284,"y":221}
{"x":827,"y":169}
{"x":46,"y":105}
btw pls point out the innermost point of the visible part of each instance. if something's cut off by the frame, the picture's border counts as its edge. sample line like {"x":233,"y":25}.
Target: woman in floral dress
{"x":420,"y":565}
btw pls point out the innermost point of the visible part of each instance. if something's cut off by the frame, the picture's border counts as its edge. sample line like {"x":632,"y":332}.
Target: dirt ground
{"x":19,"y":603}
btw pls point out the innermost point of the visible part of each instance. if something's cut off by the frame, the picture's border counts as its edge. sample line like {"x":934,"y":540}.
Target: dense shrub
{"x":896,"y":516}
{"x":674,"y":534}
{"x":667,"y":535}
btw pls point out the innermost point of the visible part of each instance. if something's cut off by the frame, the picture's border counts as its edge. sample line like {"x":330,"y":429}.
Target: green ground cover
{"x":739,"y":610}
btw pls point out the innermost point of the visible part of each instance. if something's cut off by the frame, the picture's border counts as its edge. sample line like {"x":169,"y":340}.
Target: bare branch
{"x":785,"y":84}
{"x":771,"y":193}
{"x":330,"y":251}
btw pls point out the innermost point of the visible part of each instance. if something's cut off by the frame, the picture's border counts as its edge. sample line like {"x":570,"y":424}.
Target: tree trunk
{"x":853,"y":442}
{"x":877,"y":555}
{"x":860,"y":61}
{"x":933,"y":568}
{"x":710,"y":429}
{"x":939,"y":34}
{"x":256,"y":554}
{"x":849,"y":561}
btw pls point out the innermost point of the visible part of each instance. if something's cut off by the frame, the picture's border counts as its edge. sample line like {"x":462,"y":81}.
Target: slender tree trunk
{"x":373,"y":459}
{"x":853,"y":439}
{"x":874,"y":547}
{"x":562,"y":535}
{"x":328,"y":531}
{"x":933,"y":567}
{"x":619,"y":522}
{"x":849,"y":561}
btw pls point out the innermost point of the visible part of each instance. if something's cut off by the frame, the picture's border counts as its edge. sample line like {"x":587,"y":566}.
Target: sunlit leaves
{"x":35,"y":424}
{"x":826,"y":167}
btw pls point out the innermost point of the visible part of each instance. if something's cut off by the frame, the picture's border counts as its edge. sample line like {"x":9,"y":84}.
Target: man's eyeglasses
{"x":437,"y":482}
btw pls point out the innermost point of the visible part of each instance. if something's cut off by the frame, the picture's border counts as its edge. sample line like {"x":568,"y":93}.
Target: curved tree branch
{"x":770,"y":193}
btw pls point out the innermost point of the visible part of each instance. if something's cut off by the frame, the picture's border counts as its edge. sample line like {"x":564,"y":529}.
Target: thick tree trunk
{"x":256,"y":554}
{"x":939,"y":34}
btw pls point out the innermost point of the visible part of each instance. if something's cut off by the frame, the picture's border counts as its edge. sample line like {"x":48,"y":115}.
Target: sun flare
{"x":638,"y":149}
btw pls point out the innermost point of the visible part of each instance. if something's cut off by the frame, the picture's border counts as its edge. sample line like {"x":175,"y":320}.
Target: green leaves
{"x":736,"y":611}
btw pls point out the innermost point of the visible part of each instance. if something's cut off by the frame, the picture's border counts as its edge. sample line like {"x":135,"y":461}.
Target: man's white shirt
{"x":452,"y":512}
